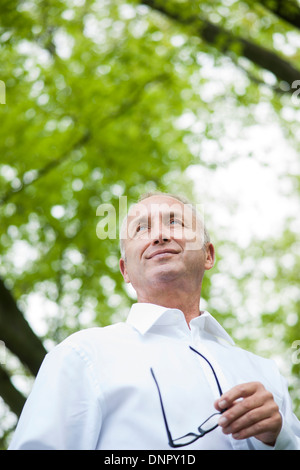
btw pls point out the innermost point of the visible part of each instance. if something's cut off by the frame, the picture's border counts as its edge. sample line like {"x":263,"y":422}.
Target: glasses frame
{"x":194,"y":437}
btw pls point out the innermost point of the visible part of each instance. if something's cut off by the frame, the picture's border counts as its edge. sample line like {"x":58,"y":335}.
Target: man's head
{"x":164,"y":243}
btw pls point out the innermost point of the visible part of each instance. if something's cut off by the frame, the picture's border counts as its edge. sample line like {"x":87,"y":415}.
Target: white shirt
{"x":95,"y":390}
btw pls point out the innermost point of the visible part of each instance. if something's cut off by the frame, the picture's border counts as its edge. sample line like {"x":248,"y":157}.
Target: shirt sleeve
{"x":63,"y":411}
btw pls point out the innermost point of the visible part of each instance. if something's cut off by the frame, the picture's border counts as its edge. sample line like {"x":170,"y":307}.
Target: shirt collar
{"x":143,"y":316}
{"x":208,"y":323}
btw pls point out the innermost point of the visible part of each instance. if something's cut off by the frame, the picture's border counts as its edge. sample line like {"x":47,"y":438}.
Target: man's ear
{"x":209,"y":256}
{"x":123,"y":270}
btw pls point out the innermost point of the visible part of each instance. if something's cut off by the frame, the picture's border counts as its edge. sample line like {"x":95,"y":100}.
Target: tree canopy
{"x":107,"y":98}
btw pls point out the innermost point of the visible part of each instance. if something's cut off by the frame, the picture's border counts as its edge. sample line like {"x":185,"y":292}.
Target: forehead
{"x":158,"y":205}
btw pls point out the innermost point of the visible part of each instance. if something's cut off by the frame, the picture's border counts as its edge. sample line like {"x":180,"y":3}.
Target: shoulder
{"x":255,"y":359}
{"x":261,"y":369}
{"x":96,"y":334}
{"x":87,"y":344}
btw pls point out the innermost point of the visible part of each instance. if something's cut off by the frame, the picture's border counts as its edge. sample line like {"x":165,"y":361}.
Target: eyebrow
{"x":144,"y":218}
{"x":141,"y":218}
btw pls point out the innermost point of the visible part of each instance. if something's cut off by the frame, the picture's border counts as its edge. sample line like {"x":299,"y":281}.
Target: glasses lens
{"x":210,"y":424}
{"x":187,"y":439}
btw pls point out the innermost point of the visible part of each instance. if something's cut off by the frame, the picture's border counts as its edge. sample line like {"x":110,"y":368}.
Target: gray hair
{"x":182,"y":199}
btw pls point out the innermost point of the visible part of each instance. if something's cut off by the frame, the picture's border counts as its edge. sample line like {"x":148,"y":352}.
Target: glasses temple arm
{"x":215,"y":375}
{"x":162,"y":409}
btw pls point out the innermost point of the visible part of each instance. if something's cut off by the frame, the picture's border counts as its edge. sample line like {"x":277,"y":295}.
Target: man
{"x":170,"y":376}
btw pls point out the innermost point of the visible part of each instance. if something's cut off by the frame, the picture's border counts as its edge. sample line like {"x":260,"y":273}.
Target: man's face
{"x":163,"y":244}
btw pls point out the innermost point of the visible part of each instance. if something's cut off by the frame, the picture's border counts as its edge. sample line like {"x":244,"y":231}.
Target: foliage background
{"x":107,"y":98}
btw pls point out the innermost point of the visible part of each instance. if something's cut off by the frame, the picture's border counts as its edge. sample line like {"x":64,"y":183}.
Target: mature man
{"x":170,"y":376}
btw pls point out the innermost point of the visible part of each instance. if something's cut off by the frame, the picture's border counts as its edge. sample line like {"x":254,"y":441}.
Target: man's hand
{"x":250,"y":412}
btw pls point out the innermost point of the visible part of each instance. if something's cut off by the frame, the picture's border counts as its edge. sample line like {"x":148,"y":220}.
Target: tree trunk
{"x":12,"y":397}
{"x":16,"y":333}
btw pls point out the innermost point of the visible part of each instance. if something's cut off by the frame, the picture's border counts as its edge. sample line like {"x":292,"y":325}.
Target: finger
{"x":264,"y":430}
{"x":237,"y":420}
{"x":249,"y":408}
{"x":263,"y":422}
{"x":260,"y":405}
{"x":237,"y":393}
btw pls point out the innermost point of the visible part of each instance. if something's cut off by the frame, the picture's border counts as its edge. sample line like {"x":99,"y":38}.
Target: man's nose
{"x":160,"y":233}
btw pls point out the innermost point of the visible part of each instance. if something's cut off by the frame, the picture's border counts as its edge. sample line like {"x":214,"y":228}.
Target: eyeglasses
{"x":207,"y":426}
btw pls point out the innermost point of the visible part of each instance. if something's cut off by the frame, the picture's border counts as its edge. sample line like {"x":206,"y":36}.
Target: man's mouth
{"x":162,"y":253}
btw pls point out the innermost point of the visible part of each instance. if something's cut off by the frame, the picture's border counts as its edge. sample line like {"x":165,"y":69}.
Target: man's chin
{"x":165,"y":273}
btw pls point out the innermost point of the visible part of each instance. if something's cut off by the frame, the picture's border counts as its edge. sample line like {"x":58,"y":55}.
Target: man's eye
{"x":141,"y":227}
{"x":176,"y":221}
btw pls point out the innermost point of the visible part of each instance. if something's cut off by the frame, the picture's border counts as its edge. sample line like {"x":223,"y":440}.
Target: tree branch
{"x":125,"y":106}
{"x":46,"y":169}
{"x":226,"y":42}
{"x":287,"y":10}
